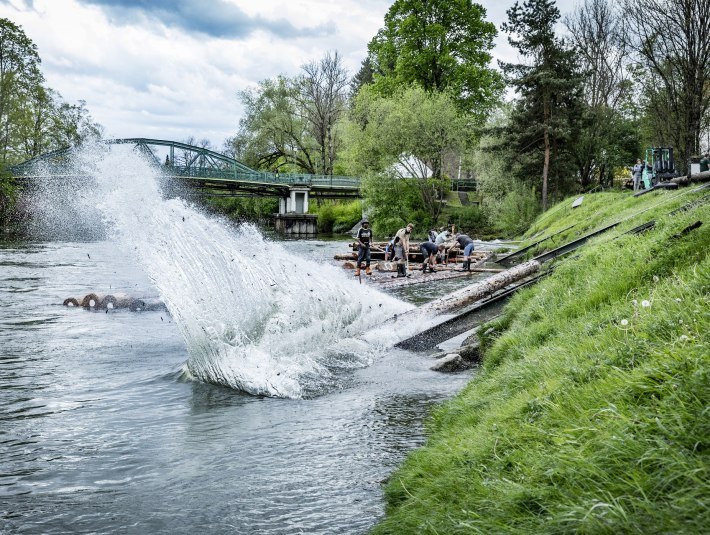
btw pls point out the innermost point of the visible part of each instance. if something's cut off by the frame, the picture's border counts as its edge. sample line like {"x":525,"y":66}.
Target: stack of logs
{"x":111,"y":301}
{"x":377,"y":252}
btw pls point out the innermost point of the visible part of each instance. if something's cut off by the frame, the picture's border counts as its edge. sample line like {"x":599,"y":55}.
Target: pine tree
{"x":548,"y":87}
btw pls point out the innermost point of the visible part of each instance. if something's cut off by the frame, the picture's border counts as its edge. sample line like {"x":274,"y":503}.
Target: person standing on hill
{"x":401,"y":249}
{"x":465,"y":243}
{"x":364,"y":239}
{"x":637,"y":173}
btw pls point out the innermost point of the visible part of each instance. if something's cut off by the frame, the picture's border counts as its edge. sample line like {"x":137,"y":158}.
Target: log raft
{"x":377,"y":252}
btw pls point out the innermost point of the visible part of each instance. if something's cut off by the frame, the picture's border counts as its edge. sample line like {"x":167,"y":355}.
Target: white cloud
{"x":140,"y":77}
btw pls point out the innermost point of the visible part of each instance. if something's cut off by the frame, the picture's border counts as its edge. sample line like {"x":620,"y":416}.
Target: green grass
{"x":591,"y":411}
{"x":598,"y":210}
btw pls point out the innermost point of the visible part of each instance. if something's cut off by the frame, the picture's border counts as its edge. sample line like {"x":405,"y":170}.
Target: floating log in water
{"x":140,"y":305}
{"x":475,"y":292}
{"x":92,"y":300}
{"x":114,"y":301}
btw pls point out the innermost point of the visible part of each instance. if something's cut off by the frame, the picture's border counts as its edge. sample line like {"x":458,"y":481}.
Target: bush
{"x":517,"y":212}
{"x":336,"y":216}
{"x":471,"y":219}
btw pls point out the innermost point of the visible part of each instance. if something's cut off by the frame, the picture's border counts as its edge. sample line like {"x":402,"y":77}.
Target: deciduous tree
{"x":19,"y":75}
{"x":672,"y":40}
{"x":408,"y":136}
{"x":438,"y":45}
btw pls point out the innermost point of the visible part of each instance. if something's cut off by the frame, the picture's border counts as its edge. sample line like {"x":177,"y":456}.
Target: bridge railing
{"x":262,"y":177}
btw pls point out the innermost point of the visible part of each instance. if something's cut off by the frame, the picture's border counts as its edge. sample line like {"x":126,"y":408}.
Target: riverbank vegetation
{"x":425,"y":114}
{"x":589,"y":413}
{"x":34,"y":118}
{"x":430,"y":113}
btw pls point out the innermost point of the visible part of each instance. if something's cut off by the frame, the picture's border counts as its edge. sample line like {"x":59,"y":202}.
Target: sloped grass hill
{"x":591,"y":410}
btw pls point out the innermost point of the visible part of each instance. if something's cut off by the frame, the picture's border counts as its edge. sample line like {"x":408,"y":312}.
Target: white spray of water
{"x":254,"y":317}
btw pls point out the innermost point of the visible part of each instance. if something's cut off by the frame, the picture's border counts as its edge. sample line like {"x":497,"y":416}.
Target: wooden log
{"x":441,"y":273}
{"x":118,"y":300}
{"x":697,"y":177}
{"x":92,"y":300}
{"x":480,"y":290}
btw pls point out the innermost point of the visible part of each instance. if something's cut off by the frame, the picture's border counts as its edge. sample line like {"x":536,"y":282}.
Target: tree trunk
{"x":546,"y":164}
{"x":475,"y":292}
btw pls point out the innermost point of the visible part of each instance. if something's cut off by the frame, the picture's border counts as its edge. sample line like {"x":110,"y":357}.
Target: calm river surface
{"x":99,"y":434}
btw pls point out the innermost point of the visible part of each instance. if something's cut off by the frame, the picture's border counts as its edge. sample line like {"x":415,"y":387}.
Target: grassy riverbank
{"x":590,"y":411}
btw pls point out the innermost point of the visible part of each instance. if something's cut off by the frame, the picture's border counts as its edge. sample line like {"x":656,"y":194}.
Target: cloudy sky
{"x":171,"y":69}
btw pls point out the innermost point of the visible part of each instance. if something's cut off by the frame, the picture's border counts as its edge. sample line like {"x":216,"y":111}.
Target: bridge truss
{"x":204,"y":171}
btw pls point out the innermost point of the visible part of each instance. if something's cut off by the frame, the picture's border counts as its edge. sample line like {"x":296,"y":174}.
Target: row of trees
{"x":34,"y":118}
{"x":426,"y":106}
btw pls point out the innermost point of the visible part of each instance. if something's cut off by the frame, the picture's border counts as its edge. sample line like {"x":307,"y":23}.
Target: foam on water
{"x":254,"y":316}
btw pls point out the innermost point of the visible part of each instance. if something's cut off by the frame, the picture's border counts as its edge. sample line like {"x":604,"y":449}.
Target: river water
{"x":266,"y":397}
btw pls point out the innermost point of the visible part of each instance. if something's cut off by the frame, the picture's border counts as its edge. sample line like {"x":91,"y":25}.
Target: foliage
{"x":472,"y":220}
{"x":590,"y":412}
{"x":33,"y":118}
{"x":291,"y":123}
{"x":517,"y":210}
{"x":244,"y":208}
{"x":608,"y":134}
{"x":336,"y":216}
{"x":391,"y":203}
{"x":440,"y":45}
{"x":272,"y":133}
{"x":408,"y":137}
{"x":672,"y":40}
{"x":543,"y":123}
{"x":8,"y":195}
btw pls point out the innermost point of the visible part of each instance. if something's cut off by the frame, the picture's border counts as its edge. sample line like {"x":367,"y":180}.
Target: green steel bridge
{"x":206,"y":172}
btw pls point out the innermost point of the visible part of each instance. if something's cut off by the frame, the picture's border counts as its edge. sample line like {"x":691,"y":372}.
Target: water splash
{"x":254,"y":316}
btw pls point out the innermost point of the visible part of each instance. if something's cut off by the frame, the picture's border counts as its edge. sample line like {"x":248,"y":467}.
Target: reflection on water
{"x":98,"y":432}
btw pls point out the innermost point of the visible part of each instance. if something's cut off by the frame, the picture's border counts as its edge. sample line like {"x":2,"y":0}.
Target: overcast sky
{"x":170,"y":69}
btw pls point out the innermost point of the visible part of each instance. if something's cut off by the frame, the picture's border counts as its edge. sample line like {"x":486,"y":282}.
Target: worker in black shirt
{"x":429,"y":250}
{"x":364,"y":238}
{"x":465,"y":243}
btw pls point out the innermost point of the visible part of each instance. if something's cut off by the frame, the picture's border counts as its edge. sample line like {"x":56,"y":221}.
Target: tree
{"x":408,"y":137}
{"x":19,"y":75}
{"x":439,"y":45}
{"x":549,"y":91}
{"x":608,"y":138}
{"x":74,"y":125}
{"x":292,"y":122}
{"x":273,"y":132}
{"x":33,"y":118}
{"x":321,"y":94}
{"x":366,"y":75}
{"x":672,"y":40}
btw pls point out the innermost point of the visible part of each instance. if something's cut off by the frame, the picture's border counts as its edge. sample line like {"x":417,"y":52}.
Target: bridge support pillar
{"x":293,"y":218}
{"x":296,"y":202}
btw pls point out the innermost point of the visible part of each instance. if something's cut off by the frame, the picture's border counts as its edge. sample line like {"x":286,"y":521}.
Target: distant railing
{"x":200,"y":163}
{"x":463,"y":184}
{"x":263,"y":177}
